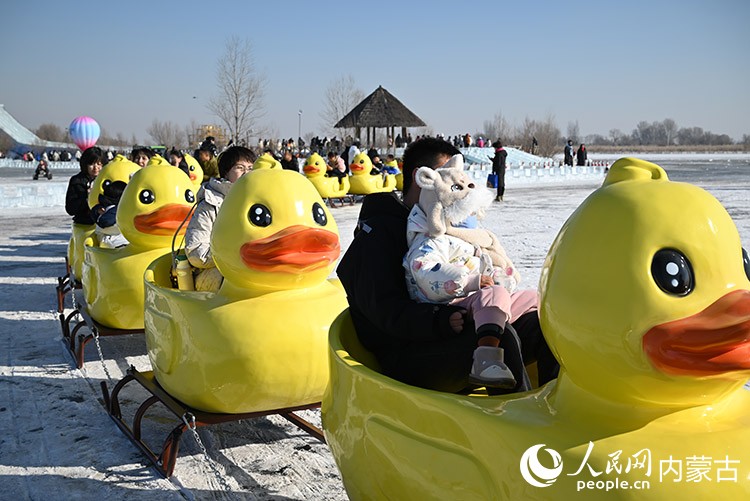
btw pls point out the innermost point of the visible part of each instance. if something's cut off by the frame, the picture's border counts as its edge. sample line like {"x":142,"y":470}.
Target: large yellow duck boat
{"x":329,"y":187}
{"x":645,"y":300}
{"x":362,"y":182}
{"x":260,"y":342}
{"x":119,"y":169}
{"x":155,"y":203}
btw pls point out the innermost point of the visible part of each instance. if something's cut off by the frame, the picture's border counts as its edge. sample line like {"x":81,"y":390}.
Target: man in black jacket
{"x":426,"y":345}
{"x":498,"y":167}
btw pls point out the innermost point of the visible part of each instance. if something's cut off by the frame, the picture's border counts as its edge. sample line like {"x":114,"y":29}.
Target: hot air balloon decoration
{"x":84,"y":131}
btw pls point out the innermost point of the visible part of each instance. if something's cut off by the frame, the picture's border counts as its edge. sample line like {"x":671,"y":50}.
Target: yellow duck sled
{"x":362,"y":182}
{"x":260,"y":342}
{"x":155,"y":203}
{"x":645,"y":300}
{"x":328,"y":187}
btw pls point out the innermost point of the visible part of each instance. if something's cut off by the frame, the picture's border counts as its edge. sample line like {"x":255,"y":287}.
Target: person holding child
{"x":233,"y":163}
{"x":465,"y":267}
{"x":425,"y":344}
{"x":104,"y":215}
{"x":77,"y":196}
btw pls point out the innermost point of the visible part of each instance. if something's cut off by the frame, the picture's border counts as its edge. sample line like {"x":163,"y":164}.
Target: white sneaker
{"x":489,"y":369}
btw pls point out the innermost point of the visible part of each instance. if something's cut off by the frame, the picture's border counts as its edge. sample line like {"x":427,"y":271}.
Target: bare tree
{"x":574,"y":131}
{"x":497,"y":128}
{"x":166,"y":133}
{"x":239,"y":103}
{"x":6,"y":142}
{"x":51,"y":132}
{"x":341,"y":96}
{"x":548,"y":135}
{"x":526,"y":132}
{"x":670,"y":129}
{"x":616,"y":135}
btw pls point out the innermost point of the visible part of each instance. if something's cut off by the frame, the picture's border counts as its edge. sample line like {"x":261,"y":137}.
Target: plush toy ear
{"x":455,"y":162}
{"x":425,"y":178}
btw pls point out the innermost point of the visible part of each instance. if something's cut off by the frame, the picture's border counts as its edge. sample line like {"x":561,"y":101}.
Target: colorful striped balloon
{"x":84,"y":131}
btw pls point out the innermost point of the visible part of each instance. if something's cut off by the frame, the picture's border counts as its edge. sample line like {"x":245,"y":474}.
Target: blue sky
{"x":455,"y":64}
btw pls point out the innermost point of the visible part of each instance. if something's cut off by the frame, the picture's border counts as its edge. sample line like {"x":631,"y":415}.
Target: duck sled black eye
{"x":672,"y":272}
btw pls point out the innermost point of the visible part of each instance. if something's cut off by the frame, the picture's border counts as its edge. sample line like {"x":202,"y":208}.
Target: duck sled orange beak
{"x":310,"y":169}
{"x":296,"y":249}
{"x":163,"y":221}
{"x":714,"y":341}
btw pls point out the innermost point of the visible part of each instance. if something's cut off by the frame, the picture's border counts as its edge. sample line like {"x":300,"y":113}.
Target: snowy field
{"x":59,"y":443}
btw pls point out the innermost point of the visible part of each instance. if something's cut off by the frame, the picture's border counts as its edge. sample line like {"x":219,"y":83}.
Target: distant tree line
{"x":664,"y":133}
{"x":549,"y":138}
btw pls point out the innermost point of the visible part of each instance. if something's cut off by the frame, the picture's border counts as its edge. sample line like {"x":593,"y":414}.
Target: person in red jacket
{"x":581,"y":155}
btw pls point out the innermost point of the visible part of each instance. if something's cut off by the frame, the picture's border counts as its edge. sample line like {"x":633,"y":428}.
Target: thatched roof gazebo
{"x":380,"y":110}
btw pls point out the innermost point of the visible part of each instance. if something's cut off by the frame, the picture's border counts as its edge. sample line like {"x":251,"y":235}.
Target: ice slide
{"x":24,"y":137}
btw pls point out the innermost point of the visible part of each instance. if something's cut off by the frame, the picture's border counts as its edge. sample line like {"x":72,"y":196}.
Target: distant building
{"x":204,"y":131}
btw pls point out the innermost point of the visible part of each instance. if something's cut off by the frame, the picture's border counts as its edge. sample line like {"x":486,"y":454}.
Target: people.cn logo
{"x":532,"y":470}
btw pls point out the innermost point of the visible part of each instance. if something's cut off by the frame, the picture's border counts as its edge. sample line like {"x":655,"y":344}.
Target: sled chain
{"x":189,"y":421}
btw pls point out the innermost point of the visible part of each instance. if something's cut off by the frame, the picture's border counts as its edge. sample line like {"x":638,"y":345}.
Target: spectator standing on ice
{"x":568,"y":152}
{"x":581,"y":155}
{"x":498,"y":167}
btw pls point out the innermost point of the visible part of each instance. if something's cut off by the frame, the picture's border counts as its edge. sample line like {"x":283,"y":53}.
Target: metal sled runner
{"x":189,"y":418}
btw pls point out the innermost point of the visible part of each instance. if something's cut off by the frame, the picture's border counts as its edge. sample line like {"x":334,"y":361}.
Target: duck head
{"x":119,"y":169}
{"x":645,"y":296}
{"x":274,"y":232}
{"x":266,"y":161}
{"x":155,"y":203}
{"x":315,"y":166}
{"x":195,"y":171}
{"x":157,"y":160}
{"x":361,"y":164}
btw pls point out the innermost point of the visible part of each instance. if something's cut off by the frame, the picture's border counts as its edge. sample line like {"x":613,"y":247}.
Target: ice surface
{"x":57,"y":437}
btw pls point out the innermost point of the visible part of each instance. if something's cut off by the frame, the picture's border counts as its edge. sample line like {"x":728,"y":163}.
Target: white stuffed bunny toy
{"x":449,"y":197}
